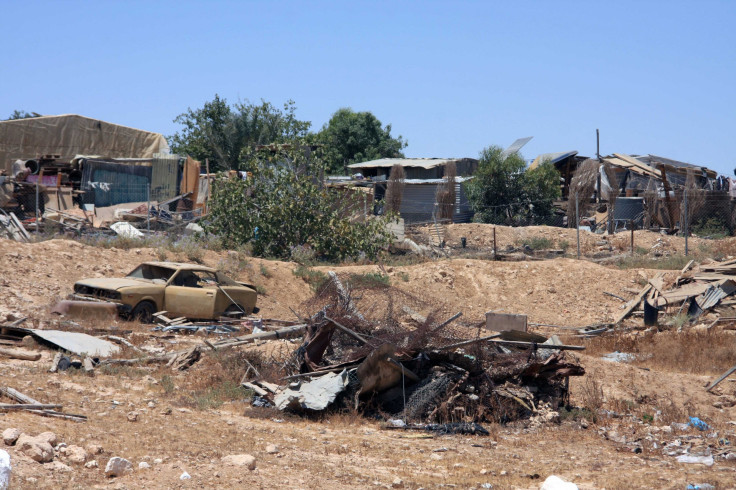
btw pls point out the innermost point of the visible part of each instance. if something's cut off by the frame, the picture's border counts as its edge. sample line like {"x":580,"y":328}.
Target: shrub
{"x":314,"y":278}
{"x":285,"y":205}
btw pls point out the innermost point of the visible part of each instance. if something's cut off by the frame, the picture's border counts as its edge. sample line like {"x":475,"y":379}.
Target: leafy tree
{"x":504,"y":192}
{"x":354,"y":137}
{"x":22,"y":115}
{"x":229,"y":135}
{"x":284,"y":205}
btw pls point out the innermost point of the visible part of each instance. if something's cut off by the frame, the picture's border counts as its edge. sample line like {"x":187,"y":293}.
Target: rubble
{"x":362,"y":349}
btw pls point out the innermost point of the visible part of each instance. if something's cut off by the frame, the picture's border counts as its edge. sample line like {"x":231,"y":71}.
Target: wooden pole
{"x":19,"y":354}
{"x":495,"y":250}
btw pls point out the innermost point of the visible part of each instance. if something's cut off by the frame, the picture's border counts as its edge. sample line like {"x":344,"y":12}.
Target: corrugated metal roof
{"x":425,"y":163}
{"x":516,"y":146}
{"x":434,"y":181}
{"x":551,"y":158}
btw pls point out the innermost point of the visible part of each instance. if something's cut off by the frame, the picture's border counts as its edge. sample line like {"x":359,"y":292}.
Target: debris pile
{"x":367,"y":347}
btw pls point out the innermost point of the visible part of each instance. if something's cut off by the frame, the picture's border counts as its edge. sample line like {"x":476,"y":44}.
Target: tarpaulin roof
{"x":69,"y":135}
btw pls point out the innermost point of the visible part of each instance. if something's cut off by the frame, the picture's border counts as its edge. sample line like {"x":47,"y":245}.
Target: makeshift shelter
{"x":415,"y":168}
{"x":68,"y":135}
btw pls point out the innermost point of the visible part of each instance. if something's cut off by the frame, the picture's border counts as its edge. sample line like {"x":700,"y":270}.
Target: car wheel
{"x":143,"y":312}
{"x":235,"y":311}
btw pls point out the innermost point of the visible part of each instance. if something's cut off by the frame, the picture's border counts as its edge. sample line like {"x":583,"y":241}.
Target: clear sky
{"x":451,"y":77}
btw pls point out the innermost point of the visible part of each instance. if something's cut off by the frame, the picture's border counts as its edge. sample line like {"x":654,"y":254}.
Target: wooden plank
{"x":721,"y":378}
{"x":19,"y":354}
{"x":633,"y":304}
{"x":29,"y":406}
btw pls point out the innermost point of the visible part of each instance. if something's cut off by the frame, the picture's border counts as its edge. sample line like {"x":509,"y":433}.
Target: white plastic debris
{"x":556,"y":483}
{"x":689,"y":458}
{"x":126,"y":230}
{"x":185,"y":476}
{"x":4,"y":470}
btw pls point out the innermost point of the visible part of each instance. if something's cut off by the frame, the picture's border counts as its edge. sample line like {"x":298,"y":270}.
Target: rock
{"x":166,"y":411}
{"x":272,"y":449}
{"x":397,"y":483}
{"x":584,"y":423}
{"x":133,"y":416}
{"x":74,"y":454}
{"x":117,"y":466}
{"x":143,"y":465}
{"x":49,"y":437}
{"x":556,"y":483}
{"x":4,"y":470}
{"x":185,"y":476}
{"x":158,"y":461}
{"x":240,"y":460}
{"x":94,"y":449}
{"x":57,"y":466}
{"x":92,"y":464}
{"x":35,"y":448}
{"x":11,"y":435}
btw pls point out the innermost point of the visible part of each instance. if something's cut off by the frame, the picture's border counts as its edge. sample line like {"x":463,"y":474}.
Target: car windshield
{"x":152,"y":272}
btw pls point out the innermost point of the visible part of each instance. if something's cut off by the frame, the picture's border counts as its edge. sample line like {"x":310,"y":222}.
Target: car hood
{"x":113,"y":284}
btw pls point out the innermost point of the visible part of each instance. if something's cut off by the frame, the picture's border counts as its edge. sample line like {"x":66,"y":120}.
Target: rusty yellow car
{"x":183,"y":290}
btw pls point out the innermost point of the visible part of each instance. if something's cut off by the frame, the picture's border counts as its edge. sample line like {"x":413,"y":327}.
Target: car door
{"x":191,"y":294}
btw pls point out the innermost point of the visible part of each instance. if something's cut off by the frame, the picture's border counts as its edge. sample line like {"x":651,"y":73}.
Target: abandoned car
{"x":183,"y":290}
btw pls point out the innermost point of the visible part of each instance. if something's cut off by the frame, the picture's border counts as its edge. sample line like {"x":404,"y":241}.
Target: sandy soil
{"x":347,"y":451}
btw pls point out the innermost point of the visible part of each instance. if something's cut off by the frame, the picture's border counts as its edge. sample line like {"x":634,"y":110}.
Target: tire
{"x":235,"y":311}
{"x":143,"y":312}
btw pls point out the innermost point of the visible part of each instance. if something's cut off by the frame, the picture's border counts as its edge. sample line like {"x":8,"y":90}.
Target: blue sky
{"x":451,"y":77}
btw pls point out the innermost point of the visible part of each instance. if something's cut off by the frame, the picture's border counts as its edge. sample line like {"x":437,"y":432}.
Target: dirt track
{"x":344,"y":451}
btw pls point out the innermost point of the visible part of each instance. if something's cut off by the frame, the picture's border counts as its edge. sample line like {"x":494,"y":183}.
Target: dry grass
{"x":690,"y":351}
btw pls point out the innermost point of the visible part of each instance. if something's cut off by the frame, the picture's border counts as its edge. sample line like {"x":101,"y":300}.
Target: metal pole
{"x":148,"y":207}
{"x":685,"y":220}
{"x":37,"y":202}
{"x":577,"y":221}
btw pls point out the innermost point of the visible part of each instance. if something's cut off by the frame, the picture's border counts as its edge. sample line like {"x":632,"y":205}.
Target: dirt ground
{"x":623,"y":445}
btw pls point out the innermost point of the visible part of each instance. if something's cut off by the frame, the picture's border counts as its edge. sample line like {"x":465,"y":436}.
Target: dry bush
{"x":695,"y":199}
{"x":395,"y":189}
{"x":583,"y":185}
{"x":446,"y":193}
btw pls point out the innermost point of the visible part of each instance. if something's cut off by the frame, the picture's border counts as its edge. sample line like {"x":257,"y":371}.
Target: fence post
{"x":685,"y":219}
{"x":577,"y":221}
{"x":148,"y":207}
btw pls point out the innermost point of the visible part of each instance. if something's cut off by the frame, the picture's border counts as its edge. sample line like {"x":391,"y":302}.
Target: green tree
{"x":22,"y":115}
{"x":354,"y":137}
{"x":229,"y":135}
{"x":504,"y":192}
{"x":284,"y":205}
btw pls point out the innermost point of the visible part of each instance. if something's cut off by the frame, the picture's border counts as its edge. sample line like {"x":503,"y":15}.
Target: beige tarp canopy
{"x":69,"y":135}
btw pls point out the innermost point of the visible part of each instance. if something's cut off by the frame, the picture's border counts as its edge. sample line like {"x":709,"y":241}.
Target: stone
{"x":94,"y":449}
{"x":11,"y":435}
{"x":397,"y":483}
{"x":35,"y":448}
{"x":57,"y":466}
{"x":92,"y":464}
{"x":74,"y":454}
{"x":5,"y":470}
{"x":133,"y":416}
{"x":143,"y":465}
{"x":240,"y":460}
{"x":272,"y":449}
{"x":49,"y":437}
{"x":117,"y":466}
{"x":166,"y":411}
{"x":556,"y":483}
{"x":158,"y":461}
{"x":584,"y":423}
